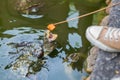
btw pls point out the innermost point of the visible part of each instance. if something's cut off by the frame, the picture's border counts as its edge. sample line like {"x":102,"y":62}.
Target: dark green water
{"x":71,"y":37}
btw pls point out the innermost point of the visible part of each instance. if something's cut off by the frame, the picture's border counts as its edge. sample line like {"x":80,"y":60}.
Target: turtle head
{"x":50,"y":37}
{"x":49,"y":42}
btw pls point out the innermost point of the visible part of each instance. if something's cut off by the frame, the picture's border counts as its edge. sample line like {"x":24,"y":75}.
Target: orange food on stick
{"x":51,"y":27}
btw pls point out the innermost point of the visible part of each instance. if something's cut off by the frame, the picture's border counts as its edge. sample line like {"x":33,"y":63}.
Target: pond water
{"x":16,"y":27}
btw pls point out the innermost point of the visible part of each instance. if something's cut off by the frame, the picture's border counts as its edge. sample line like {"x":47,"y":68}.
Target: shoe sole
{"x":99,"y":44}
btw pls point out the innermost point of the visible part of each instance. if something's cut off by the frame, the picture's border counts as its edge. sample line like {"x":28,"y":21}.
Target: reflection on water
{"x":73,"y":13}
{"x":66,"y":61}
{"x":75,"y":40}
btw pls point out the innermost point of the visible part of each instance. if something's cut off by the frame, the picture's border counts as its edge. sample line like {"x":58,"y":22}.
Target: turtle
{"x":31,"y":55}
{"x":29,"y":6}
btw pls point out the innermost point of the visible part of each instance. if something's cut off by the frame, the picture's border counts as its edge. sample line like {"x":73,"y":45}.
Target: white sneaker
{"x":105,"y":38}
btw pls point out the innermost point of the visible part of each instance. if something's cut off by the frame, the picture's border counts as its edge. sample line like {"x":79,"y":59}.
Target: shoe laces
{"x":112,"y":34}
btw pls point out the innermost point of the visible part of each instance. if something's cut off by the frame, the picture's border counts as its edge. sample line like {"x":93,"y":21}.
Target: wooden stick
{"x":84,"y":15}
